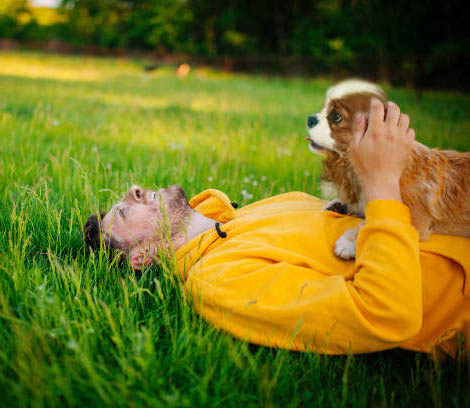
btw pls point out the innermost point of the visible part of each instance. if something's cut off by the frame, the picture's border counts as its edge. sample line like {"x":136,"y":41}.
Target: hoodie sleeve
{"x":386,"y":288}
{"x":301,"y":307}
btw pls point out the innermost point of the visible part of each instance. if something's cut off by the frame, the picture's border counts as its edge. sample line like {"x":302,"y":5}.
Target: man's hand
{"x":380,"y":150}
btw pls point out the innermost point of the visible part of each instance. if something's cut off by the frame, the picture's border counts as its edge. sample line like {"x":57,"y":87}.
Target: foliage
{"x":413,"y":43}
{"x":76,"y":331}
{"x":128,"y":24}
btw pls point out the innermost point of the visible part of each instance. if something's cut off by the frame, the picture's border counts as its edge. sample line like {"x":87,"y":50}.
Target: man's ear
{"x":139,"y":257}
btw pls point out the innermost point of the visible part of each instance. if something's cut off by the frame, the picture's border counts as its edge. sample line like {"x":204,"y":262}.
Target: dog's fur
{"x":435,"y":184}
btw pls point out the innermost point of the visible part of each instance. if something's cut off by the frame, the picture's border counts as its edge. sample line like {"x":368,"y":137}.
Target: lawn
{"x":75,"y":134}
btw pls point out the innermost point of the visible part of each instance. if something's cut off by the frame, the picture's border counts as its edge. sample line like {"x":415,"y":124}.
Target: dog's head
{"x":330,"y":129}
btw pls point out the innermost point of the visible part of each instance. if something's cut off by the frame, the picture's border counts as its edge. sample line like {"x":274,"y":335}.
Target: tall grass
{"x":76,"y":330}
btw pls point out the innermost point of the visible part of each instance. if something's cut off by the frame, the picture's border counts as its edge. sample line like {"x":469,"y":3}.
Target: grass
{"x":76,"y":331}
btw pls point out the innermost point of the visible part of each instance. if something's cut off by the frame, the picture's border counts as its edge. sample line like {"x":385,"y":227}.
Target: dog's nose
{"x":312,"y":121}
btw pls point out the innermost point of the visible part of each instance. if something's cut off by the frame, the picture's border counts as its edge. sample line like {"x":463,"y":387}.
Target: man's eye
{"x":154,"y":194}
{"x":121,"y":212}
{"x":335,"y":117}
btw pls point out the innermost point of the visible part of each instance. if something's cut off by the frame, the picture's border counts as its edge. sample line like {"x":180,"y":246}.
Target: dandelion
{"x":55,"y":122}
{"x":109,"y":166}
{"x":94,"y":149}
{"x":246,"y":180}
{"x":210,"y":178}
{"x":306,"y":173}
{"x":263,"y":178}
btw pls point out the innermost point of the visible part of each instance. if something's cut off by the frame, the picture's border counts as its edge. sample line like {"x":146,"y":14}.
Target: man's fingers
{"x":358,"y":128}
{"x":377,"y":113}
{"x":404,"y":121}
{"x":393,"y":113}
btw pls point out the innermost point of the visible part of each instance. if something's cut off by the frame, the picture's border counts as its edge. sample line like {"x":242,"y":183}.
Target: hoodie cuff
{"x":387,"y":209}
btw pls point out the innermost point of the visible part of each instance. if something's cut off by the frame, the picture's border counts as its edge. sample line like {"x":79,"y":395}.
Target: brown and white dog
{"x":435,"y":184}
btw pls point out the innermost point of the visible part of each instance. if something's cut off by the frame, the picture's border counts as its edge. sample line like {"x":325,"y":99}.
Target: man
{"x":267,"y":273}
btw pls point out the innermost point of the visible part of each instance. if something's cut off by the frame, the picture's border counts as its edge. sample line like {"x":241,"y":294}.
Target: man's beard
{"x":178,"y":210}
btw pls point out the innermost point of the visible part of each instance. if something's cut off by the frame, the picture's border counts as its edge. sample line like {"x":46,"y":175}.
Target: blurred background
{"x":417,"y":44}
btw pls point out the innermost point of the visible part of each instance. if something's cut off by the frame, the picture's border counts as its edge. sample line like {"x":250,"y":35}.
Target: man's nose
{"x":312,"y":121}
{"x":136,"y":193}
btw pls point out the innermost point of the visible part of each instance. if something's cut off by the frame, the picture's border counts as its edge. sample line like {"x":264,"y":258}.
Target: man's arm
{"x":387,"y":246}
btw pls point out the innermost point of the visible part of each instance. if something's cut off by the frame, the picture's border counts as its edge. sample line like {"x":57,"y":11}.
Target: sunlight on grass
{"x":76,"y":330}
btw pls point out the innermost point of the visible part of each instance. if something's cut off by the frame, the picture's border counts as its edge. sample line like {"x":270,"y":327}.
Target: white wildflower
{"x":283,"y":151}
{"x":72,"y":345}
{"x":176,"y":146}
{"x":246,"y":195}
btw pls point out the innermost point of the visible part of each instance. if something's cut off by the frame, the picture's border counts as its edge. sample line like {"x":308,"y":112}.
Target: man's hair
{"x":91,"y":230}
{"x":93,"y":237}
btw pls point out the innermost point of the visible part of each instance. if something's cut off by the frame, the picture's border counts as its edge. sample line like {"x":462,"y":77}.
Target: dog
{"x":435,"y":184}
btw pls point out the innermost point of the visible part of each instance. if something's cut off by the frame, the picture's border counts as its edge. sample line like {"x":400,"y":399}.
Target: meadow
{"x":75,"y":330}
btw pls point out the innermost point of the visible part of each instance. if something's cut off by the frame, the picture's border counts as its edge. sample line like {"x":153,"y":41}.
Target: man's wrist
{"x":382,"y":190}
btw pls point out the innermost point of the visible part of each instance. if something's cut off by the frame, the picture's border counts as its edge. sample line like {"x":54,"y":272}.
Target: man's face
{"x":143,"y":215}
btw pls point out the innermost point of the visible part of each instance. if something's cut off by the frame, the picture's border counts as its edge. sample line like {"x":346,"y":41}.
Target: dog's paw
{"x":336,"y":206}
{"x":345,"y":248}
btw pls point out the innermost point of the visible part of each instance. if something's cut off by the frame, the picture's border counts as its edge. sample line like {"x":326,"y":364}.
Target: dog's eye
{"x":335,"y":117}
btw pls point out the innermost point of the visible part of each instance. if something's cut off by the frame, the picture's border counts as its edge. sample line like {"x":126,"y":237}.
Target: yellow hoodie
{"x":275,"y":281}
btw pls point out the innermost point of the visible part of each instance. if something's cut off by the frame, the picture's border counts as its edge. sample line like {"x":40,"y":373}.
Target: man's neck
{"x":198,"y":224}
